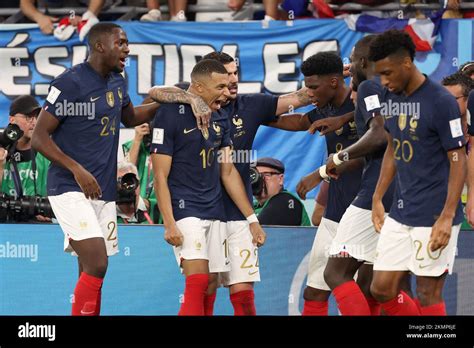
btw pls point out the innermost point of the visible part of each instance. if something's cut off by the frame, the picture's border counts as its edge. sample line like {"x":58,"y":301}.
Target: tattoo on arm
{"x":170,"y":95}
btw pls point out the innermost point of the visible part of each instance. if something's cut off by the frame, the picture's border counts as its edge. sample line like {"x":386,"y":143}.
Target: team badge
{"x":110,"y":99}
{"x":413,"y":123}
{"x":217,"y":128}
{"x":237,"y":121}
{"x":402,"y":121}
{"x":340,"y":130}
{"x":119,"y":92}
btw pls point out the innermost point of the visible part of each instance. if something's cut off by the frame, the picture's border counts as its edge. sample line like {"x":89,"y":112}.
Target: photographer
{"x":131,"y":207}
{"x":23,"y":171}
{"x":275,"y":205}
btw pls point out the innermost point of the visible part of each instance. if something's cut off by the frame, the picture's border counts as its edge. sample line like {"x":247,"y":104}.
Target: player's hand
{"x":173,"y":235}
{"x":470,"y":209}
{"x":201,"y":111}
{"x":307,"y":183}
{"x":258,"y":234}
{"x":42,"y":218}
{"x":87,"y":183}
{"x":141,"y":131}
{"x":440,"y":233}
{"x":235,"y":5}
{"x":378,"y":214}
{"x":347,"y":70}
{"x":326,"y":125}
{"x":46,"y":24}
{"x":331,"y":167}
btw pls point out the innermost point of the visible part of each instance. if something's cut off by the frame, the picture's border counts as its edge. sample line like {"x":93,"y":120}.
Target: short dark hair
{"x":322,"y":63}
{"x":101,"y":28}
{"x":459,"y":79}
{"x":206,"y":67}
{"x":391,"y":42}
{"x":222,"y":57}
{"x":467,"y":68}
{"x":361,"y":48}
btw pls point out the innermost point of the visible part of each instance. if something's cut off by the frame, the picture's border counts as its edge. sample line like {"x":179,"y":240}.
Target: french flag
{"x":422,"y":31}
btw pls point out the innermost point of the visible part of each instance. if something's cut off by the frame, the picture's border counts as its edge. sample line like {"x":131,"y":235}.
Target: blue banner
{"x":269,"y":56}
{"x":38,"y":278}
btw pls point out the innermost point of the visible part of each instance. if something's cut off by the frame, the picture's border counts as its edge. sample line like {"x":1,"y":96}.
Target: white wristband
{"x":322,"y":172}
{"x":336,"y":160}
{"x":252,"y":218}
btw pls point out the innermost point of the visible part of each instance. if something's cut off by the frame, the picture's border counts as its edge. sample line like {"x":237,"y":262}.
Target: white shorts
{"x":243,"y":255}
{"x":319,"y":254}
{"x":81,"y":218}
{"x":203,"y":240}
{"x":405,"y":248}
{"x":356,"y":235}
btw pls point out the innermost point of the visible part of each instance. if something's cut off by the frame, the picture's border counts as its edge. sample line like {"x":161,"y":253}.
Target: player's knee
{"x":99,"y":268}
{"x":212,"y":283}
{"x":332,"y":279}
{"x":312,"y":294}
{"x":382,"y":292}
{"x":428,"y":294}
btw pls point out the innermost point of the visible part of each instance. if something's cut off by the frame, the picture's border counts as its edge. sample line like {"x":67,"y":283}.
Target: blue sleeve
{"x":314,"y":115}
{"x":164,"y":130}
{"x":126,"y":97}
{"x":265,"y":106}
{"x":62,"y":90}
{"x":226,"y":138}
{"x":369,"y":97}
{"x":447,"y":123}
{"x":470,"y":114}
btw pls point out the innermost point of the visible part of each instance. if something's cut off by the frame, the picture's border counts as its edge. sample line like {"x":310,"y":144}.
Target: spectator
{"x":271,"y":8}
{"x":459,"y":86}
{"x":23,"y":171}
{"x":46,"y":22}
{"x":131,"y":207}
{"x":467,"y":69}
{"x":275,"y":205}
{"x":320,"y":206}
{"x":177,"y":10}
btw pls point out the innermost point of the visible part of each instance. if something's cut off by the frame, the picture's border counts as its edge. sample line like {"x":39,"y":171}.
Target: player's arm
{"x":313,"y":179}
{"x":291,"y":122}
{"x":134,"y":116}
{"x":374,"y":139}
{"x":42,"y":142}
{"x":291,"y":101}
{"x":161,"y":169}
{"x":164,"y":94}
{"x":330,"y":124}
{"x":387,"y":173}
{"x":234,"y":186}
{"x":441,"y":231}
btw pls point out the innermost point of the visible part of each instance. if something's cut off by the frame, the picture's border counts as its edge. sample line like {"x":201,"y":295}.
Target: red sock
{"x":438,"y":309}
{"x":99,"y":298}
{"x":374,"y":306}
{"x":209,"y":304}
{"x":402,"y":304}
{"x":315,"y":308}
{"x":350,"y":299}
{"x":86,"y":295}
{"x":243,"y":302}
{"x":194,"y":291}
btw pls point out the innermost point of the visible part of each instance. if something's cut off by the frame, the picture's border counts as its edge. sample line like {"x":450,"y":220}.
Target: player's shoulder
{"x":179,"y":108}
{"x":71,"y":75}
{"x":369,"y":87}
{"x":435,"y":92}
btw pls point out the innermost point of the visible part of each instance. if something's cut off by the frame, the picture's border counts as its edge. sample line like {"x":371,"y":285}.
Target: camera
{"x":256,"y":179}
{"x":23,"y":208}
{"x":10,"y":135}
{"x":126,"y":187}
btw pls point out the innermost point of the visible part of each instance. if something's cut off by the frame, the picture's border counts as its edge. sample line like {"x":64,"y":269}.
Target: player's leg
{"x":244,"y":271}
{"x":355,"y":243}
{"x":391,"y":266}
{"x":210,"y":296}
{"x":317,"y":291}
{"x":192,"y":256}
{"x":83,"y":235}
{"x":364,"y":279}
{"x":430,"y":295}
{"x":94,"y":261}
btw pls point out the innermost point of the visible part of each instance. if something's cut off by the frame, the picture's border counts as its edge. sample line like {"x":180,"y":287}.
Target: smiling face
{"x":214,"y":90}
